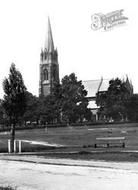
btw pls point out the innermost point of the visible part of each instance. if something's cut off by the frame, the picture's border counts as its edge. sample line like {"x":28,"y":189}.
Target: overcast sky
{"x":90,"y":54}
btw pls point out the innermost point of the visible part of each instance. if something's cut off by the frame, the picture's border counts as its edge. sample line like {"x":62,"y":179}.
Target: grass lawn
{"x":106,"y":156}
{"x":6,"y":188}
{"x":81,"y":139}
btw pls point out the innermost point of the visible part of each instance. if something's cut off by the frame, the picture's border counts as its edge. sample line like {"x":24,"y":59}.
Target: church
{"x":49,"y":67}
{"x":49,"y":74}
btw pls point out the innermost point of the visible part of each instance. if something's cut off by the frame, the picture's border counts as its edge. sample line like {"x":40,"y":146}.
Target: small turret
{"x":129,"y":85}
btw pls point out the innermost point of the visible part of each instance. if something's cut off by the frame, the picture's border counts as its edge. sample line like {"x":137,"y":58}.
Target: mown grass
{"x":104,"y":156}
{"x":75,"y":138}
{"x":6,"y":188}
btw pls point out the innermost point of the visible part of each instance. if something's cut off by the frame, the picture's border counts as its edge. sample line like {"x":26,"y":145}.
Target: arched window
{"x":45,"y":74}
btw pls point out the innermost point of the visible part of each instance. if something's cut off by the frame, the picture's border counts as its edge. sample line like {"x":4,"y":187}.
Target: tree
{"x":49,"y":112}
{"x":49,"y":108}
{"x":2,"y":121}
{"x":32,"y":108}
{"x":113,"y":102}
{"x":74,"y":101}
{"x":101,"y":98}
{"x":132,"y":108}
{"x":14,"y":102}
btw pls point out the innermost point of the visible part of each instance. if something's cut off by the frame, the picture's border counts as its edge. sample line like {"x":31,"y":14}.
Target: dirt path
{"x":96,"y":176}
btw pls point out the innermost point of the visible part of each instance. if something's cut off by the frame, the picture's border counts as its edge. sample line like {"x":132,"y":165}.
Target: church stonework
{"x":49,"y":67}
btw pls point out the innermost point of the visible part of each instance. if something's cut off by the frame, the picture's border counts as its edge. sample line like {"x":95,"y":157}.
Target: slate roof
{"x":104,"y":85}
{"x":94,"y":86}
{"x":91,"y":86}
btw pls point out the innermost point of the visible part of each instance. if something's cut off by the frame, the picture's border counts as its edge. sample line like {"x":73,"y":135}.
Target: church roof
{"x":91,"y":86}
{"x":49,"y":44}
{"x":94,"y":86}
{"x":104,"y":85}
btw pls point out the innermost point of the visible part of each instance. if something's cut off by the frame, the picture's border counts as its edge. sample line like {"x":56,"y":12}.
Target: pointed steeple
{"x":129,"y":85}
{"x":49,"y":67}
{"x":49,"y":44}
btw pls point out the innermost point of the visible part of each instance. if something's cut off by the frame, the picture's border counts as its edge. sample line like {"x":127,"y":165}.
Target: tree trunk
{"x":12,"y":137}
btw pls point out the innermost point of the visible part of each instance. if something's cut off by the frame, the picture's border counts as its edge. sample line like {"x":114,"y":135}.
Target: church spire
{"x":49,"y":68}
{"x":49,"y":44}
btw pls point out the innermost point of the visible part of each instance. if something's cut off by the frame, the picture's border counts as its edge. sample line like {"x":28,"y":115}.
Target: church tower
{"x":49,"y":68}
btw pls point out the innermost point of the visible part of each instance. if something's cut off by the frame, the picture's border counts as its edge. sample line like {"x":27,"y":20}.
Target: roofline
{"x":94,"y":80}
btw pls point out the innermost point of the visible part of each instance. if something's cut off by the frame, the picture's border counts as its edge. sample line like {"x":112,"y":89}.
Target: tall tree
{"x":1,"y":113}
{"x":74,"y":101}
{"x":32,"y":108}
{"x":49,"y":113}
{"x":14,"y":102}
{"x":112,"y":103}
{"x":132,"y":108}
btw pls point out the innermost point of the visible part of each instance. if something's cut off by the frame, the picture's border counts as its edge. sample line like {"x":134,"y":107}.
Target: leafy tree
{"x":14,"y":102}
{"x":49,"y":110}
{"x":132,"y":108}
{"x":113,"y":102}
{"x":101,"y":98}
{"x":58,"y":96}
{"x":32,"y":108}
{"x":74,"y":102}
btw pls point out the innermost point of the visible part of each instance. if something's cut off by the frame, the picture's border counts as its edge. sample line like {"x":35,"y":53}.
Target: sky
{"x":89,"y":54}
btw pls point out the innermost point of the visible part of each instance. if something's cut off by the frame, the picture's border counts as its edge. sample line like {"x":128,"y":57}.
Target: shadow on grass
{"x":104,"y":156}
{"x":7,"y":188}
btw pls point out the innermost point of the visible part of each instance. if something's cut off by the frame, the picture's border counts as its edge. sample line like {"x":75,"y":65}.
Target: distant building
{"x":129,"y":85}
{"x":49,"y":75}
{"x":49,"y":68}
{"x":93,"y":87}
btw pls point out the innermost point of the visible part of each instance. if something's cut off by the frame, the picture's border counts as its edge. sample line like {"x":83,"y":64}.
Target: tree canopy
{"x":113,"y":102}
{"x":14,"y":102}
{"x":74,"y":101}
{"x":32,"y":108}
{"x":132,"y":108}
